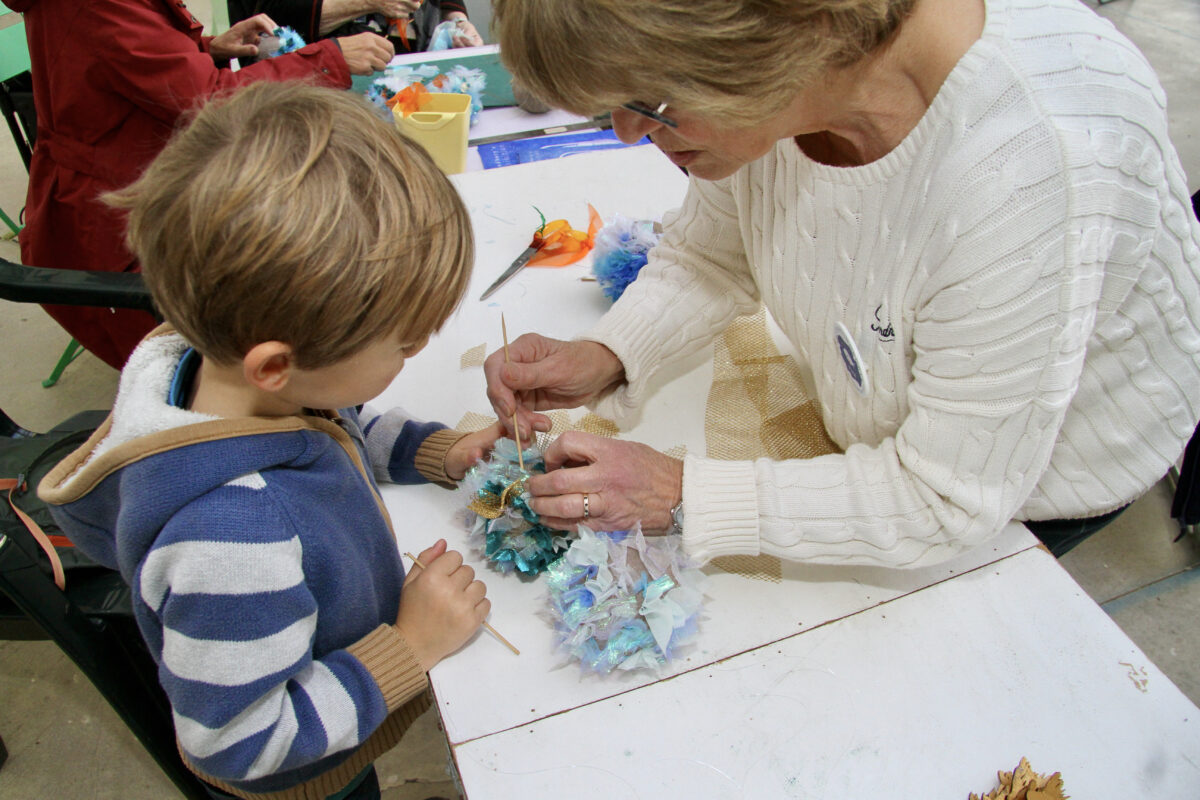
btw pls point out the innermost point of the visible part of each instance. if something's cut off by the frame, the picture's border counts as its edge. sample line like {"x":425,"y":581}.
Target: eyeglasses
{"x":651,"y":113}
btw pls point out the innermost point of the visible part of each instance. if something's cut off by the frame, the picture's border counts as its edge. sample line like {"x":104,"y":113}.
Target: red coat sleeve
{"x":163,"y":70}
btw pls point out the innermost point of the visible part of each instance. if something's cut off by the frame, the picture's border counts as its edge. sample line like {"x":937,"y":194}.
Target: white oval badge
{"x":851,"y":359}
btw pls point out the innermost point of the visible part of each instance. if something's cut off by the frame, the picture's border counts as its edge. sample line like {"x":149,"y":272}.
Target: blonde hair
{"x":293,"y":213}
{"x":735,"y":60}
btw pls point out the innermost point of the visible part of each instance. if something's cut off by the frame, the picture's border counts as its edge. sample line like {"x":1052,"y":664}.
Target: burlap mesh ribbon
{"x":758,"y":408}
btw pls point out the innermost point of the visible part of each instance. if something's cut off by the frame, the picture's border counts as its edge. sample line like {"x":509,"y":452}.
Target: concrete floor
{"x":65,"y":742}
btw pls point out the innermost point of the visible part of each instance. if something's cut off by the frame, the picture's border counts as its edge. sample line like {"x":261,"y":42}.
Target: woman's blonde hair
{"x":734,"y":60}
{"x":293,"y":213}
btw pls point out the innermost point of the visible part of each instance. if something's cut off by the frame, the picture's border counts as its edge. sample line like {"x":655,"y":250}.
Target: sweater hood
{"x":149,"y":459}
{"x":20,"y":5}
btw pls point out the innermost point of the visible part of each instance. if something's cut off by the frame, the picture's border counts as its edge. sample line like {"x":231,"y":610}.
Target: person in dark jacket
{"x":110,"y":80}
{"x":408,"y":24}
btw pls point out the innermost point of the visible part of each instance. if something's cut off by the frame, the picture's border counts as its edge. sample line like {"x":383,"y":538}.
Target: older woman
{"x":989,"y":183}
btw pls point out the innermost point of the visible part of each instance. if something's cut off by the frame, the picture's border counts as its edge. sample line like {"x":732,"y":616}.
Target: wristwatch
{"x":677,"y":518}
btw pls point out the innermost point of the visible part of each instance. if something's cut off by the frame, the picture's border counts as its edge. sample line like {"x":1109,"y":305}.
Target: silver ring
{"x":586,"y":512}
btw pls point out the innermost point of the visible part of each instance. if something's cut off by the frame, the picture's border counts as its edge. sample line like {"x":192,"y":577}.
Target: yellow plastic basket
{"x":440,"y":126}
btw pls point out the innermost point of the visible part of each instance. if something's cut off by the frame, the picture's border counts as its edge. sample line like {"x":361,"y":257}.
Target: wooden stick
{"x":516,"y":430}
{"x":492,"y":630}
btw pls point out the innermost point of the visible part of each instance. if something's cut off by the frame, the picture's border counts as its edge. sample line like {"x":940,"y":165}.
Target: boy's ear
{"x":268,"y":366}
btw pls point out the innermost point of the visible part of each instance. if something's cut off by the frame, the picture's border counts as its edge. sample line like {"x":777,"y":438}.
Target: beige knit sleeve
{"x":430,"y":460}
{"x":393,"y":664}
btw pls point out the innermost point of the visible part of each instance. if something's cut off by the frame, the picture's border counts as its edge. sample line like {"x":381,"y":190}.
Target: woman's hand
{"x":442,"y":605}
{"x":547,"y":373}
{"x":463,"y":454}
{"x":366,"y":53}
{"x":241,"y":40}
{"x":625,"y":483}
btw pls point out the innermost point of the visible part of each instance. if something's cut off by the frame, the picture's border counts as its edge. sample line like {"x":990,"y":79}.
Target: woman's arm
{"x":993,"y":336}
{"x":697,"y":280}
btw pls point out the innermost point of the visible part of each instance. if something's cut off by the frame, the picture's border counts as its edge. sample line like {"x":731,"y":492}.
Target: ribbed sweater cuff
{"x":632,"y":341}
{"x":392,"y":663}
{"x":720,"y":508}
{"x":430,"y":460}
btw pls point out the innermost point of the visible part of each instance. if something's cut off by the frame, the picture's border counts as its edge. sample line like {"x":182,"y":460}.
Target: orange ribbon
{"x":409,"y":99}
{"x":559,"y":244}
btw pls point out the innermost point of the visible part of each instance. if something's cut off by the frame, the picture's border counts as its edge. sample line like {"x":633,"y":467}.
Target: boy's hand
{"x":442,"y":605}
{"x":463,"y":454}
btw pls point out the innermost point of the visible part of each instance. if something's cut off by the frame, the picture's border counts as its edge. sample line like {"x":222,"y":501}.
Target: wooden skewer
{"x":516,"y":430}
{"x":492,"y":630}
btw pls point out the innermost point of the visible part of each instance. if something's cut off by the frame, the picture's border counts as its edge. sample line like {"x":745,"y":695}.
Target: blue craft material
{"x":621,"y":601}
{"x":516,"y":540}
{"x":288,"y":42}
{"x":442,"y":37}
{"x":542,"y":148}
{"x":620,"y":252}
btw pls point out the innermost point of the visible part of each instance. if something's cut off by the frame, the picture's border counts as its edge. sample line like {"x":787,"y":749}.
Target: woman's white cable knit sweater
{"x":1020,"y":278}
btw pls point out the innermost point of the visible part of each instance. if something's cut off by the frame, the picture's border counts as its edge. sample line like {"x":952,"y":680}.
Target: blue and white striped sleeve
{"x":403,"y":449}
{"x":238,"y":622}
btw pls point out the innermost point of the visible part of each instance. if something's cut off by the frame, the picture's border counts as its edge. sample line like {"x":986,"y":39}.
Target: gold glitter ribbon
{"x":489,"y":506}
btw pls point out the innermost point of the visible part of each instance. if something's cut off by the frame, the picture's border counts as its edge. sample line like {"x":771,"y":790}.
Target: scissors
{"x":516,"y":266}
{"x":558,"y":245}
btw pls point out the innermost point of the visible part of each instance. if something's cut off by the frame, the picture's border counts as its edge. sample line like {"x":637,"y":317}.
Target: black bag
{"x":24,"y":461}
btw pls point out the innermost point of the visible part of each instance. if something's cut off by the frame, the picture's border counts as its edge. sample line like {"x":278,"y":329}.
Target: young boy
{"x":300,"y":250}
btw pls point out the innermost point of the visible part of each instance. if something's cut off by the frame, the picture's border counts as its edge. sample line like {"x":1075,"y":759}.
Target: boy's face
{"x":354,"y":380}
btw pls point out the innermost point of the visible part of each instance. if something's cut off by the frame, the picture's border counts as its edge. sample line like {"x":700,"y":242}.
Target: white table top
{"x":495,"y":706}
{"x":926,"y":696}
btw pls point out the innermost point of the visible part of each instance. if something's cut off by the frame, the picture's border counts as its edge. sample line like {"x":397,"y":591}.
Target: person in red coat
{"x":110,"y":80}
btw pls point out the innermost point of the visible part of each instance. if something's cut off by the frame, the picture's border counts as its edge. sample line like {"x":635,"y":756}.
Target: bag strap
{"x":47,"y":543}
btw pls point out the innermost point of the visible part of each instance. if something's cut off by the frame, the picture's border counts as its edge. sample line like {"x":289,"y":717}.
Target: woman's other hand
{"x":442,"y":605}
{"x":625,"y":483}
{"x":466,"y":451}
{"x":547,"y":373}
{"x":366,"y":53}
{"x":241,"y":40}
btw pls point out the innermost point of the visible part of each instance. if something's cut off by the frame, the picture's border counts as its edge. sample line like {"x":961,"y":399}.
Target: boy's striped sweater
{"x":265,"y":574}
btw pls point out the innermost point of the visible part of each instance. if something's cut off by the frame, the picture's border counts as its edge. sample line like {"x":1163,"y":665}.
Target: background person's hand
{"x":398,"y":9}
{"x":442,"y":605}
{"x":626,"y":483}
{"x":547,"y":373}
{"x":469,"y":449}
{"x":366,"y":53}
{"x":241,"y":40}
{"x":466,"y":35}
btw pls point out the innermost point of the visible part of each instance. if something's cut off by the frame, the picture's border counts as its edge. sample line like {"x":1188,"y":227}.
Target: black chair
{"x":92,"y":619}
{"x":16,"y":104}
{"x":1185,"y":481}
